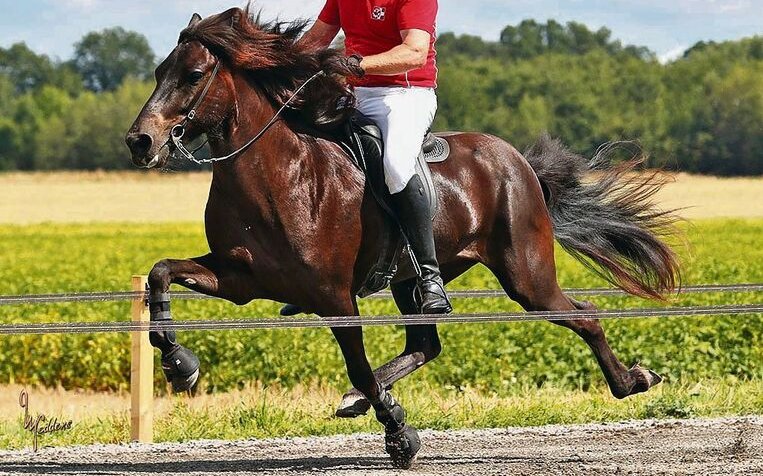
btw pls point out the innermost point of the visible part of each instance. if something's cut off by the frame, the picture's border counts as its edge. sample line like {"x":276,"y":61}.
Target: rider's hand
{"x":345,"y":66}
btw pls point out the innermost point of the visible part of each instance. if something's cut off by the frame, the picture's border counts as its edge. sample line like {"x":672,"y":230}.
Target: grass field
{"x":263,"y":412}
{"x":499,"y":357}
{"x":491,"y":375}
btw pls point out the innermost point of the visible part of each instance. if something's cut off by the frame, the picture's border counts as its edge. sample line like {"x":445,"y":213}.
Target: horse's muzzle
{"x":141,"y":146}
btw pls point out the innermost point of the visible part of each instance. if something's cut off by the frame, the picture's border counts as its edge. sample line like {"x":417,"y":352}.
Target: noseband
{"x":178,"y":131}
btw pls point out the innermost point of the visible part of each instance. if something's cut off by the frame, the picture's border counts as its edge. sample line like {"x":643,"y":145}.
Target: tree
{"x":525,"y":40}
{"x":472,"y":46}
{"x":9,"y":133}
{"x":29,"y":71}
{"x":72,"y":140}
{"x":530,"y":39}
{"x":736,"y":104}
{"x":106,"y":58}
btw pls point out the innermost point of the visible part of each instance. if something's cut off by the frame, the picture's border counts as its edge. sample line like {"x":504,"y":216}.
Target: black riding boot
{"x":412,"y":209}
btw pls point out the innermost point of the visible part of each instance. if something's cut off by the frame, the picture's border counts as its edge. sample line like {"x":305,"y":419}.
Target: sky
{"x":667,"y":27}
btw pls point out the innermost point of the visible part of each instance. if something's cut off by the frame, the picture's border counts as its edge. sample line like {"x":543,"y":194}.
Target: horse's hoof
{"x":644,"y":379}
{"x":181,"y":367}
{"x":353,"y":405}
{"x":289,"y":310}
{"x":656,"y":378}
{"x":403,"y":446}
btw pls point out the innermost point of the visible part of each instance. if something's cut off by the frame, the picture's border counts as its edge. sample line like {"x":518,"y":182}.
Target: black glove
{"x":345,"y":66}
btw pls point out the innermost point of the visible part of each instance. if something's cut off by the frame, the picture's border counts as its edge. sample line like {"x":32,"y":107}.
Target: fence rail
{"x":354,"y":321}
{"x":141,"y":368}
{"x":116,"y":296}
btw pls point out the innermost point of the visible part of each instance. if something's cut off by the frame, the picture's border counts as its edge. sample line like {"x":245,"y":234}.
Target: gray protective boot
{"x":412,"y":209}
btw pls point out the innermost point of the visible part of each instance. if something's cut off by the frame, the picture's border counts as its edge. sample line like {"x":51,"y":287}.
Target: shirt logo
{"x":378,"y":13}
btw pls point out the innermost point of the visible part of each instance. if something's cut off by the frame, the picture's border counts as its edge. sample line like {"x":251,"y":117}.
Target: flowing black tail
{"x":603,"y":216}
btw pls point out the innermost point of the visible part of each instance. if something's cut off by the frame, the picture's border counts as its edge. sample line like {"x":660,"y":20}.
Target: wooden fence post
{"x":141,"y":371}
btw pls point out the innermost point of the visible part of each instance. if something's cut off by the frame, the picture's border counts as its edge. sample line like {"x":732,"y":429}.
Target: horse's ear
{"x":196,"y":18}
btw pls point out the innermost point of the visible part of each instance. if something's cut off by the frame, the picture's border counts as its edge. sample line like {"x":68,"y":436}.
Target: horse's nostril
{"x":139,"y":144}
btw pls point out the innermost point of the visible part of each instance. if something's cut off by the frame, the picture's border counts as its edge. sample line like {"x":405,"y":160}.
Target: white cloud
{"x":81,"y":4}
{"x":698,"y":7}
{"x":672,"y":54}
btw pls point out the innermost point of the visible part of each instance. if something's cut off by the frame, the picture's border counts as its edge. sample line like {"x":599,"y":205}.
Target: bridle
{"x":178,"y":131}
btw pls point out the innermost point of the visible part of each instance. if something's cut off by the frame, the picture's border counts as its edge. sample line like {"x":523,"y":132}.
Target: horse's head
{"x":182,"y":80}
{"x":200,"y":72}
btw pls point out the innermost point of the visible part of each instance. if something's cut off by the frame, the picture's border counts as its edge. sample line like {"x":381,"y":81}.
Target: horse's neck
{"x":249,"y":116}
{"x":272,"y":166}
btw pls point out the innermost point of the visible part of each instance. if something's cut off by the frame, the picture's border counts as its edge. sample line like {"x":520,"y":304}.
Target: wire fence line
{"x":354,"y":321}
{"x":117,"y":296}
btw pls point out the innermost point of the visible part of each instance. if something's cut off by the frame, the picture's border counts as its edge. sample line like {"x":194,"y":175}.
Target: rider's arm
{"x":325,"y":29}
{"x":416,"y":21}
{"x":411,"y":54}
{"x":320,"y":35}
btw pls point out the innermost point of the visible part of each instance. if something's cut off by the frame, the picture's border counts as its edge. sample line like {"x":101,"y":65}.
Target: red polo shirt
{"x":373,"y":26}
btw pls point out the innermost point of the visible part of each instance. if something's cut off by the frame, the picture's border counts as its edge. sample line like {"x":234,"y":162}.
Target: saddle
{"x":364,"y":144}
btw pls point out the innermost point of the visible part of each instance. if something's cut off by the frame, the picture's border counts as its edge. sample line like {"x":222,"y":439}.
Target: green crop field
{"x":286,"y":382}
{"x":496,"y":358}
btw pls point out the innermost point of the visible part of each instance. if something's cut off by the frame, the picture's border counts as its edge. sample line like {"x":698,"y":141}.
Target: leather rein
{"x":178,"y":131}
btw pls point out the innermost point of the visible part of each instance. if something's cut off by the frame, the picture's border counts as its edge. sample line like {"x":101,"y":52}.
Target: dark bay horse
{"x":290,"y":219}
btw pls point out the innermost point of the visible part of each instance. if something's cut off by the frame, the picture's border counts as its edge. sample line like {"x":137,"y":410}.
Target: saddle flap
{"x":422,"y":168}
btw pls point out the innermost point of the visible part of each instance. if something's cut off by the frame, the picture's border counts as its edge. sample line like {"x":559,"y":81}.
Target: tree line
{"x":702,"y":112}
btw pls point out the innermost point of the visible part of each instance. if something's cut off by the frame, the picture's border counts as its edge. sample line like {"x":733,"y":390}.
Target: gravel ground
{"x":686,"y":447}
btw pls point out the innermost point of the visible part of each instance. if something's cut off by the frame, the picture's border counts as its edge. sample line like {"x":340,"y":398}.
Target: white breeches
{"x":403,"y":115}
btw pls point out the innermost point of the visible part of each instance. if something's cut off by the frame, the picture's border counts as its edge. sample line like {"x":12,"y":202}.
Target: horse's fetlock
{"x":159,"y":306}
{"x":389,"y":413}
{"x":163,"y":340}
{"x":403,"y":446}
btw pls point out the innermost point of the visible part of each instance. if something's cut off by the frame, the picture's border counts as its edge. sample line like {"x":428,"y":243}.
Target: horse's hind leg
{"x":422,"y":344}
{"x":206,"y":275}
{"x":622,"y":382}
{"x":528,"y":275}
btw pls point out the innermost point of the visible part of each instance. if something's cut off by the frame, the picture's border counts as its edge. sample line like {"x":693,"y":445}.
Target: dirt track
{"x":721,"y":446}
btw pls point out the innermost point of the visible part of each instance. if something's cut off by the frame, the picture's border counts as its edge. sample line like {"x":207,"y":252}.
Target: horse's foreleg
{"x":401,"y":440}
{"x":207,"y":275}
{"x":422,"y":344}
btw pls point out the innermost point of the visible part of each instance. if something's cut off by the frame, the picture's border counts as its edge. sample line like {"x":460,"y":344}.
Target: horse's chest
{"x":310,"y":230}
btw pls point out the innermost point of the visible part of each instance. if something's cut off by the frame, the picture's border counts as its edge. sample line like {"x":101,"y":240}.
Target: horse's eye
{"x":195,"y":77}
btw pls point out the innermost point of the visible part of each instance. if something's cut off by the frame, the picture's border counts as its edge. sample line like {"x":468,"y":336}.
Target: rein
{"x":178,"y":131}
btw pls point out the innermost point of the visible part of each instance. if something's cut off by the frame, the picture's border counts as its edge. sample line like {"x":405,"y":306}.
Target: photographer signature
{"x":41,"y":424}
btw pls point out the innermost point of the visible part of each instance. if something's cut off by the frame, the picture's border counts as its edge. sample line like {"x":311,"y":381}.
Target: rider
{"x":391,"y":65}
